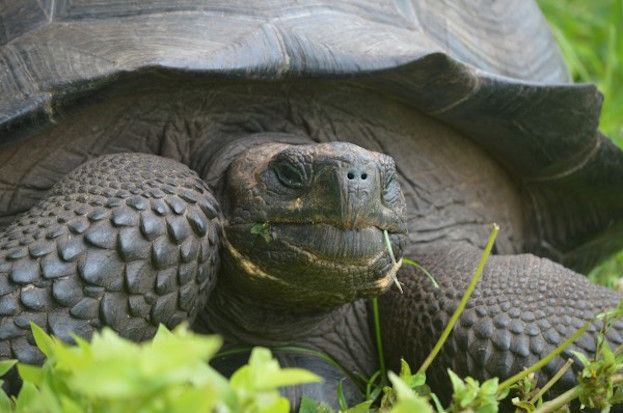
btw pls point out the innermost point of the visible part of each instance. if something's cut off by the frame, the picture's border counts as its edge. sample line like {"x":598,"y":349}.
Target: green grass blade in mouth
{"x":388,"y":245}
{"x":421,"y":268}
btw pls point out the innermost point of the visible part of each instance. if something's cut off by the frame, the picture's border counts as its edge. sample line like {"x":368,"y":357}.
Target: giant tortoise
{"x":235,"y":164}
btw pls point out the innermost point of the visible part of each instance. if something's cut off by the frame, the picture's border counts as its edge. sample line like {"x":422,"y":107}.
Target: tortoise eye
{"x":290,"y":175}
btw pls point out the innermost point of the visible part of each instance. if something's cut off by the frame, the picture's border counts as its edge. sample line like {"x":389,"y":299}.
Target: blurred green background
{"x":590,"y":36}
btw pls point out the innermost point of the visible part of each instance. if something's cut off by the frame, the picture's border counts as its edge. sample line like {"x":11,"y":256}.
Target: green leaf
{"x":199,"y":400}
{"x":405,"y":369}
{"x":412,"y":406}
{"x":437,"y":402}
{"x":27,"y":397}
{"x":469,"y":395}
{"x":6,"y":405}
{"x":42,"y":339}
{"x":388,"y":246}
{"x":288,"y":377}
{"x":264,"y":373}
{"x":363,"y":407}
{"x":457,"y":383}
{"x":490,"y":386}
{"x":166,"y":374}
{"x":280,"y":405}
{"x":308,"y":405}
{"x":263,"y":230}
{"x":30,"y":373}
{"x":373,"y":389}
{"x":48,"y":401}
{"x":526,"y":406}
{"x":402,"y":389}
{"x":341,"y":399}
{"x":5,"y":366}
{"x":70,"y":406}
{"x":413,"y":380}
{"x":581,"y":357}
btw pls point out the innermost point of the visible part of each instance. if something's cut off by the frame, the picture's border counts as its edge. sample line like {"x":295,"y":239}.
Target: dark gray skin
{"x":133,"y":240}
{"x":472,"y":101}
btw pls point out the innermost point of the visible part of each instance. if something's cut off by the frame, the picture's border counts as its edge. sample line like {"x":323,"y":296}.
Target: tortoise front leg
{"x":126,"y":241}
{"x":523,"y":307}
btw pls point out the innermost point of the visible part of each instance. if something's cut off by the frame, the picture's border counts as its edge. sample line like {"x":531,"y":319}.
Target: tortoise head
{"x":306,"y":224}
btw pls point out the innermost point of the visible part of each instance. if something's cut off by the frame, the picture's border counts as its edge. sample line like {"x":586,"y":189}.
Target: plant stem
{"x":459,"y":309}
{"x":558,"y":402}
{"x":539,"y":364}
{"x":552,"y":381}
{"x":567,"y":397}
{"x":379,"y":341}
{"x":388,"y":245}
{"x":417,"y":265}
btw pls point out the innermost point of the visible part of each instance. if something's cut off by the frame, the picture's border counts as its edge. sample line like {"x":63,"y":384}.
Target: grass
{"x":459,"y":309}
{"x":590,"y":36}
{"x":600,"y":384}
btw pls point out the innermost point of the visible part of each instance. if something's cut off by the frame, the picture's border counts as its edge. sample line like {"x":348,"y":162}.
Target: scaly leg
{"x":523,"y":307}
{"x":126,"y":241}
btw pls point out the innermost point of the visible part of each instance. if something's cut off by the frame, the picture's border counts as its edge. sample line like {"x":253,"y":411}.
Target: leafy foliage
{"x":170,"y":374}
{"x":471,"y":396}
{"x":596,"y":384}
{"x":255,"y":384}
{"x":166,"y":374}
{"x":600,"y":382}
{"x":407,"y":387}
{"x":407,"y":400}
{"x":263,"y":230}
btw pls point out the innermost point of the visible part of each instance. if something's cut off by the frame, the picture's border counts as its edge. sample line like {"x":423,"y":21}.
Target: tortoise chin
{"x":317,"y":265}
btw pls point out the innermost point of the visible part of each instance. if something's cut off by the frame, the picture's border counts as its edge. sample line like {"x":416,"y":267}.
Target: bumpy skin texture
{"x":523,"y":307}
{"x":127,"y":241}
{"x":132,"y":240}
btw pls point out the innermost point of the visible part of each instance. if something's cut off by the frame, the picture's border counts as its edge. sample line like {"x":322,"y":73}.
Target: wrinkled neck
{"x":241,"y":319}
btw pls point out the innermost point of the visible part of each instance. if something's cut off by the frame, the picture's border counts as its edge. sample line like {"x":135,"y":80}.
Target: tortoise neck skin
{"x":243,"y":319}
{"x":304,"y":232}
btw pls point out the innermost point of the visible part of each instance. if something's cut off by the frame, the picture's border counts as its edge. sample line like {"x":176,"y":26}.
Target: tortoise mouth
{"x":357,"y":246}
{"x":318,"y":263}
{"x":326,"y":242}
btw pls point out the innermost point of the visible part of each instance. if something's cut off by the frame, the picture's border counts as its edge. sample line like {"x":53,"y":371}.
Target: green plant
{"x":461,"y":306}
{"x":471,"y":396}
{"x":170,"y":374}
{"x":599,"y":384}
{"x":167,"y":374}
{"x":263,"y":230}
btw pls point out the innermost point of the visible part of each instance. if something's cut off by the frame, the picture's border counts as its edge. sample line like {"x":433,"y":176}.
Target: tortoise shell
{"x":489,"y":69}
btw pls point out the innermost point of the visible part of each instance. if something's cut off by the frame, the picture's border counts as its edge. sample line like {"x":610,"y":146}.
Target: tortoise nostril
{"x":364,"y":176}
{"x":351,"y":175}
